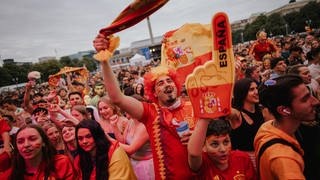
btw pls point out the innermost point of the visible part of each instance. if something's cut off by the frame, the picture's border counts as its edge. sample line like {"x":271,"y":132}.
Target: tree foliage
{"x":251,"y":29}
{"x":13,"y":73}
{"x":276,"y":24}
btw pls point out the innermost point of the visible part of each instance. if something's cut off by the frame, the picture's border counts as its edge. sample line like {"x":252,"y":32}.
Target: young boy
{"x":210,"y":155}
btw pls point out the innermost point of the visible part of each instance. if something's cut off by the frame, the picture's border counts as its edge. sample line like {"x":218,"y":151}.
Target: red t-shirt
{"x":64,"y":170}
{"x":261,"y":49}
{"x":240,"y":167}
{"x":170,"y":156}
{"x":4,"y":127}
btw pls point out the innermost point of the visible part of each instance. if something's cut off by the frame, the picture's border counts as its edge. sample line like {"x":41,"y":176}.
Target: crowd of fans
{"x":105,"y":128}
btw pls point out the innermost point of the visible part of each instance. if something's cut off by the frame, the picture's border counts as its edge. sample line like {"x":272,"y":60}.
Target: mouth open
{"x":27,"y":151}
{"x":168,"y":90}
{"x":223,"y":157}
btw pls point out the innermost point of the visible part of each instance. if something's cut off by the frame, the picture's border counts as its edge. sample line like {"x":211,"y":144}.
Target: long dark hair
{"x":101,"y":160}
{"x":240,"y":92}
{"x":48,"y":153}
{"x":141,"y":93}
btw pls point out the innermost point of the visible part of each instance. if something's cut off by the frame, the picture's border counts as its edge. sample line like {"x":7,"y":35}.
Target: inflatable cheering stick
{"x":210,"y":85}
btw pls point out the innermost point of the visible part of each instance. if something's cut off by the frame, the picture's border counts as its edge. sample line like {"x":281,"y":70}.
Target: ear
{"x":283,"y":110}
{"x":204,"y":148}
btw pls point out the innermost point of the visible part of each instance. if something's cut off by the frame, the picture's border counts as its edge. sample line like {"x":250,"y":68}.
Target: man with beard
{"x":75,"y":98}
{"x":99,"y":91}
{"x":160,"y":117}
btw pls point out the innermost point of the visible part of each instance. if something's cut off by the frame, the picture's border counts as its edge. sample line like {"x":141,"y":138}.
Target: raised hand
{"x":101,"y":42}
{"x":114,"y":120}
{"x":105,"y":46}
{"x":54,"y":108}
{"x":185,"y":137}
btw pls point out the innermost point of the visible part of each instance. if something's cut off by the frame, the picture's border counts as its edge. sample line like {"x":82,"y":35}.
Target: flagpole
{"x":150,"y":30}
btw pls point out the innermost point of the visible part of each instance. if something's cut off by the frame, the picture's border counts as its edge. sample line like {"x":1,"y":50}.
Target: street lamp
{"x":308,"y":22}
{"x":15,"y":80}
{"x":308,"y":25}
{"x":271,"y":34}
{"x":242,"y":40}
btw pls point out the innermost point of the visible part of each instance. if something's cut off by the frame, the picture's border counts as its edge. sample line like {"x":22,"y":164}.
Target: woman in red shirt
{"x":36,"y":157}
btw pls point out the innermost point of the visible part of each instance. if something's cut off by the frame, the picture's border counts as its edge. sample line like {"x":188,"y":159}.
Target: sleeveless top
{"x":242,"y":137}
{"x":144,"y":152}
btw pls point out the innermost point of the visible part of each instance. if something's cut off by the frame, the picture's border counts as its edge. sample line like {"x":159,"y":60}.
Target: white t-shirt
{"x":314,"y":71}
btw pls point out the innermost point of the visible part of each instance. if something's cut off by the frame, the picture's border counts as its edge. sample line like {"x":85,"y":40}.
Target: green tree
{"x":275,"y":24}
{"x":251,"y":29}
{"x":90,"y":63}
{"x":15,"y":72}
{"x":47,"y":68}
{"x":311,"y":12}
{"x":76,"y":63}
{"x":65,"y":61}
{"x":6,"y":78}
{"x":237,"y":37}
{"x":290,"y":18}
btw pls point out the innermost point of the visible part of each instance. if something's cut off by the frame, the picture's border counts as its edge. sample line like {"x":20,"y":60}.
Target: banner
{"x":81,"y":75}
{"x":186,"y":48}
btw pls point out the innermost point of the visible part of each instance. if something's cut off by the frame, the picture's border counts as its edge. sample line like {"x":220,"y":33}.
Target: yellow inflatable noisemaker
{"x":210,"y":85}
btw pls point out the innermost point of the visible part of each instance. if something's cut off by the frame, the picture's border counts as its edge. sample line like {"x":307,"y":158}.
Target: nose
{"x":166,"y":83}
{"x":315,"y":101}
{"x":84,"y":141}
{"x":26,"y":143}
{"x":55,"y":135}
{"x":222,"y":148}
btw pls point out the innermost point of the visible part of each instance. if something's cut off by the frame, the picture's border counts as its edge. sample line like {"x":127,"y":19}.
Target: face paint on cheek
{"x":38,"y":145}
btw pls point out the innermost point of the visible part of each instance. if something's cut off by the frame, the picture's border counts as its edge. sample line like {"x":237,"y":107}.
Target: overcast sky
{"x":36,"y":28}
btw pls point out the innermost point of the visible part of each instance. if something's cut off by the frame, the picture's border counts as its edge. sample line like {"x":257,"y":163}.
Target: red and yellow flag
{"x":82,"y":77}
{"x":133,"y":14}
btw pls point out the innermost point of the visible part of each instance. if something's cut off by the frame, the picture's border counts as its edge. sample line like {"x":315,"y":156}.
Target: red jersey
{"x":260,"y":49}
{"x":240,"y":167}
{"x":4,"y":127}
{"x":170,"y":156}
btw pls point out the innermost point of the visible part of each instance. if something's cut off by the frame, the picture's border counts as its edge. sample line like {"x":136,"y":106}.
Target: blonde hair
{"x":107,"y":100}
{"x":82,"y":110}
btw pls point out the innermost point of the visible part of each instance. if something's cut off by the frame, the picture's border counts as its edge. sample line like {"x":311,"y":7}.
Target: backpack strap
{"x":271,"y":142}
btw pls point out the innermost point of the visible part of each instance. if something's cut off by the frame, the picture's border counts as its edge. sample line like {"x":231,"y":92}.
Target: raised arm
{"x":196,"y":143}
{"x":5,"y":137}
{"x":26,"y":97}
{"x":126,"y":103}
{"x":54,"y":109}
